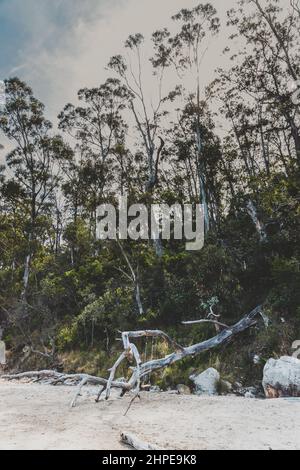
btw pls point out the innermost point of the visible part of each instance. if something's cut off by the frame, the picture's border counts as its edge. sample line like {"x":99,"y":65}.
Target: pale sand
{"x":39,"y":417}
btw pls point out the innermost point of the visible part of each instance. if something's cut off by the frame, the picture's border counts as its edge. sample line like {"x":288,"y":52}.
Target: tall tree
{"x":99,"y":132}
{"x":147,"y":113}
{"x":34,"y":161}
{"x":185,"y":51}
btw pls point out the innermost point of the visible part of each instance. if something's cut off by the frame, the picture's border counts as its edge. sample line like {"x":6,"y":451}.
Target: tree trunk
{"x":141,"y":370}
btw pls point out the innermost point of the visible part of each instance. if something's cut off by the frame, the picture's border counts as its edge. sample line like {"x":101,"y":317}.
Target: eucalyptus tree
{"x":183,"y":146}
{"x":149,"y":109}
{"x":147,"y":113}
{"x":99,"y":131}
{"x":259,"y":92}
{"x":257,"y":96}
{"x":34,"y":162}
{"x":185,"y":50}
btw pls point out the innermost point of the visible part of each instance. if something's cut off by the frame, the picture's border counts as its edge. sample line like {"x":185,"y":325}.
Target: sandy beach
{"x":34,"y":416}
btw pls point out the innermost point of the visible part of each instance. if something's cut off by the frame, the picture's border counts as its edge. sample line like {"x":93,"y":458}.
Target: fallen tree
{"x":141,"y":370}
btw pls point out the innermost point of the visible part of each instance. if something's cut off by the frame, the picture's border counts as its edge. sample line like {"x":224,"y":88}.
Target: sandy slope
{"x":38,"y":417}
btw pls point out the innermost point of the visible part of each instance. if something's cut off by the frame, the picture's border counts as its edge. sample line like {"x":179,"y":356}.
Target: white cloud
{"x":69,"y":42}
{"x":57,"y":61}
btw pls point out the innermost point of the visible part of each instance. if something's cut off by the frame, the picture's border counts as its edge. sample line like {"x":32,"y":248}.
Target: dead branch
{"x":54,"y":378}
{"x":152,"y":334}
{"x":135,"y":443}
{"x":141,"y":369}
{"x":42,"y":374}
{"x":214,"y":322}
{"x":82,"y":383}
{"x":112,"y":374}
{"x":147,"y":368}
{"x":131,"y":403}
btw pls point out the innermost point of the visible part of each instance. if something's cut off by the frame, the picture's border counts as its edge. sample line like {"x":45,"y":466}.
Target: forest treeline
{"x":233,"y":147}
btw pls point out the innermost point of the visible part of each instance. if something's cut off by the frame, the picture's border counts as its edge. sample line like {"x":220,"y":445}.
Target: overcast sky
{"x":60,"y":46}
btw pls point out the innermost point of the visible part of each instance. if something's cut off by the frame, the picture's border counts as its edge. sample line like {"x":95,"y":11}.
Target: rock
{"x":250,"y":392}
{"x":183,"y":389}
{"x":282,"y":377}
{"x":154,"y":389}
{"x":256,"y":359}
{"x":207,"y":382}
{"x":247,"y":392}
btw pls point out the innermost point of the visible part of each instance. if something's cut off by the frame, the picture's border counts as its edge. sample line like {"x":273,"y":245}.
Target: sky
{"x":60,"y":46}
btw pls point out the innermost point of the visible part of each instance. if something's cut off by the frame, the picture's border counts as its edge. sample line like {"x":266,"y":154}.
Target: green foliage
{"x":66,"y":337}
{"x":59,"y":284}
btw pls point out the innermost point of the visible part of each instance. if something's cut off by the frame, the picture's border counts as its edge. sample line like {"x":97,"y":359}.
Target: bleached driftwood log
{"x":180,"y":353}
{"x":142,"y":370}
{"x":54,"y":378}
{"x":137,"y":444}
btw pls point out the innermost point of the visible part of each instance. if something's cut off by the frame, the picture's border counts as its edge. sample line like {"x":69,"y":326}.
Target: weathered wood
{"x":137,"y":395}
{"x":149,"y":333}
{"x":32,"y":375}
{"x":197,"y":322}
{"x":82,"y":383}
{"x":222,"y":338}
{"x":112,"y":374}
{"x":53,"y":378}
{"x":57,"y":376}
{"x":132,"y":441}
{"x":142,"y":369}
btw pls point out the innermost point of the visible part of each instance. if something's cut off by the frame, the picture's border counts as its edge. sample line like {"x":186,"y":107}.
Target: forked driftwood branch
{"x":141,"y":370}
